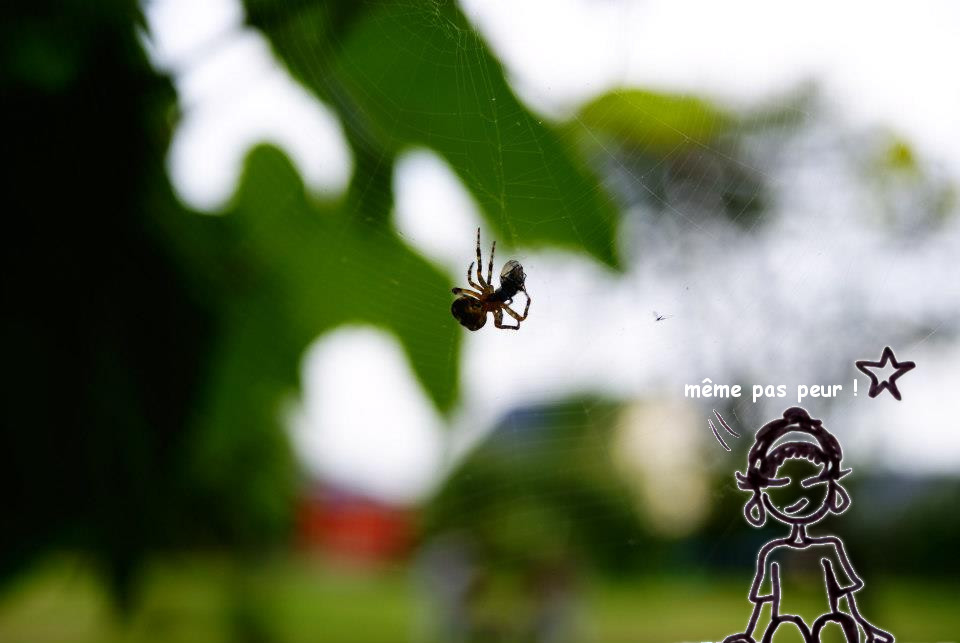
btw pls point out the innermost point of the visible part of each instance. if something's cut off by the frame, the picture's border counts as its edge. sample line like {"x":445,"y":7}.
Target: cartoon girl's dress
{"x":785,"y":565}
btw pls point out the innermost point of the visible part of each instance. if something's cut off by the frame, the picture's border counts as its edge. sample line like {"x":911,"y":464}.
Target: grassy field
{"x":205,"y":600}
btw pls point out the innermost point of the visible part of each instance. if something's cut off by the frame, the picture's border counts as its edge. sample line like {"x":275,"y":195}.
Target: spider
{"x":472,"y":306}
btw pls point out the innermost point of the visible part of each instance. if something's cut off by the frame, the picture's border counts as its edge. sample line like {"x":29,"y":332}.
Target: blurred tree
{"x":150,"y":349}
{"x":105,"y":344}
{"x":281,"y":269}
{"x":542,"y":487}
{"x":401,"y":74}
{"x":672,"y":154}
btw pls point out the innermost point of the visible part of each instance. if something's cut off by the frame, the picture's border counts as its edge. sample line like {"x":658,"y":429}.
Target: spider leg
{"x":467,"y":292}
{"x":512,"y":313}
{"x":480,"y":264}
{"x":470,"y":277}
{"x":498,"y":321}
{"x":493,"y":249}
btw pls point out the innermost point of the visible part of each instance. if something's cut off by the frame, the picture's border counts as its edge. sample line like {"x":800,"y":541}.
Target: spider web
{"x":721,"y":280}
{"x":779,"y":250}
{"x":776,"y":280}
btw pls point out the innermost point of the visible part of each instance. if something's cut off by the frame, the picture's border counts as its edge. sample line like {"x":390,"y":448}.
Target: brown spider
{"x":472,"y":306}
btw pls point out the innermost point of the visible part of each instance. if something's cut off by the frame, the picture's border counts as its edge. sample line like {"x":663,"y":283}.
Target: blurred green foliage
{"x":290,"y":267}
{"x":152,"y":349}
{"x":675,"y":155}
{"x":658,"y":123}
{"x":542,"y":489}
{"x":105,"y":344}
{"x":405,"y":74}
{"x":913,"y":196}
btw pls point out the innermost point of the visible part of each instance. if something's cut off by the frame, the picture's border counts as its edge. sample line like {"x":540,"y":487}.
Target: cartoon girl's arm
{"x":747,"y":635}
{"x":856,"y":584}
{"x":874,"y":633}
{"x":758,"y":599}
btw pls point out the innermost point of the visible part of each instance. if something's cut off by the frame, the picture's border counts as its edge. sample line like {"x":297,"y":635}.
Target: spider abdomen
{"x":470,"y":312}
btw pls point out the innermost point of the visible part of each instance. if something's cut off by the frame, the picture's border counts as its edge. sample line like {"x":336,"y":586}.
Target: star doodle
{"x":876,"y":386}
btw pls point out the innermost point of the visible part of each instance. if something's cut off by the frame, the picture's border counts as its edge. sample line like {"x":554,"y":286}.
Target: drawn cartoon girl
{"x":781,"y":488}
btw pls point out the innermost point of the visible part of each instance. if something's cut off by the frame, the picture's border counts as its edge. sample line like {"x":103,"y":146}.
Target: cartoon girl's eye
{"x":778,"y":482}
{"x":813,"y":480}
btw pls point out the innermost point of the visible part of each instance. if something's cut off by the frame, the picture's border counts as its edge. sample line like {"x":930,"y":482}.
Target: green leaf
{"x":282,"y":269}
{"x":403,"y":75}
{"x":293,"y":268}
{"x":656,"y":123}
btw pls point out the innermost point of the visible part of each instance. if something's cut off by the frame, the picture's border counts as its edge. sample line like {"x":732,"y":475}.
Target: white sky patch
{"x":889,"y":64}
{"x":365,"y":423}
{"x":234,"y":94}
{"x":434,"y":213}
{"x":918,"y":433}
{"x":179,"y":28}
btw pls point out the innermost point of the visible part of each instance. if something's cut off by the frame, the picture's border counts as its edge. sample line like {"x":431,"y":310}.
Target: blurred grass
{"x":293,"y":599}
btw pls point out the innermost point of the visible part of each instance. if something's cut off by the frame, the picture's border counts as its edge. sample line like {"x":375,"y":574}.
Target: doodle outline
{"x":876,"y":386}
{"x":763,"y":463}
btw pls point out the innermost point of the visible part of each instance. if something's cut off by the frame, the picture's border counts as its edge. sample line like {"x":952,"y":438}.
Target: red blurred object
{"x":352,"y":526}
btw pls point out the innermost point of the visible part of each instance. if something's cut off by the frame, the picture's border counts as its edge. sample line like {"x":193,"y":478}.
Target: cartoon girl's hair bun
{"x":799,"y":415}
{"x":764,"y":457}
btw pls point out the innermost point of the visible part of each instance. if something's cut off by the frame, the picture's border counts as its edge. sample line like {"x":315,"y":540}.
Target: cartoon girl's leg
{"x":846,"y":622}
{"x":795,"y":620}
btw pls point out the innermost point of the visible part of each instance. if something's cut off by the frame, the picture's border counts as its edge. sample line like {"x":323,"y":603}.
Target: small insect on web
{"x":473,"y":304}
